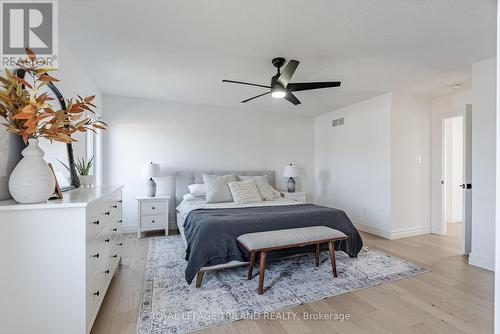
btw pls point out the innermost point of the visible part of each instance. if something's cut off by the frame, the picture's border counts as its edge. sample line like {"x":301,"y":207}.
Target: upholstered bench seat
{"x":264,"y":242}
{"x":288,"y":237}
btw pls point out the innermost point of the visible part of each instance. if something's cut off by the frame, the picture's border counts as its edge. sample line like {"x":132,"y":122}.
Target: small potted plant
{"x":83,"y":167}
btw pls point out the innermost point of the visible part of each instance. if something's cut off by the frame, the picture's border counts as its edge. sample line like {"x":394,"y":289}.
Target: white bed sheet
{"x":191,"y":203}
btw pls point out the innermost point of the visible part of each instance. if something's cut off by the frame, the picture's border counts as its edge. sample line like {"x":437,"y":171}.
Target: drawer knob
{"x":115,"y":206}
{"x":96,"y":293}
{"x":120,"y":201}
{"x":106,"y":271}
{"x":106,"y":213}
{"x":116,"y":255}
{"x":107,"y":240}
{"x":153,"y":221}
{"x":120,"y":244}
{"x":96,"y":222}
{"x":120,"y":221}
{"x":153,"y":208}
{"x":96,"y":255}
{"x":115,"y":229}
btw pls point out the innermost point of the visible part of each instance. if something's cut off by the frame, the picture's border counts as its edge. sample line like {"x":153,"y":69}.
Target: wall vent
{"x":338,"y":122}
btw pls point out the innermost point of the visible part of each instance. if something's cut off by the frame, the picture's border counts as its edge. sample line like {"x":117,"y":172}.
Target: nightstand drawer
{"x":153,"y":221}
{"x":153,"y":208}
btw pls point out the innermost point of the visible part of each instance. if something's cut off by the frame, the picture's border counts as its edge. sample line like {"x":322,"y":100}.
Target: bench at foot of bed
{"x":263,"y":242}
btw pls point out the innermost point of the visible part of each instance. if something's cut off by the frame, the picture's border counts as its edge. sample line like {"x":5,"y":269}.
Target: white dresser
{"x":57,"y":260}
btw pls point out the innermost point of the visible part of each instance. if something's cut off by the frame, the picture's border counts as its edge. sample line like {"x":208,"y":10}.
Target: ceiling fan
{"x":281,"y":87}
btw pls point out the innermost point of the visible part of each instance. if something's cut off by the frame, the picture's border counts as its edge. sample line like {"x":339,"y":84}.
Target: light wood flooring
{"x":453,"y":298}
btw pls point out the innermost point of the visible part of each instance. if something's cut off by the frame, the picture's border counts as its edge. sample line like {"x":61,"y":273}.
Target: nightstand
{"x":152,"y":214}
{"x":299,"y":196}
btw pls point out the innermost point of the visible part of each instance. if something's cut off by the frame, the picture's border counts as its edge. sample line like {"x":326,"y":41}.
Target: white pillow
{"x":217,"y":188}
{"x":197,"y":190}
{"x":266,"y":191}
{"x":245,"y":192}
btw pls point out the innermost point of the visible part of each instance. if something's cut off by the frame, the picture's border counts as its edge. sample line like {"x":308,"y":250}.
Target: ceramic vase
{"x":32,"y":181}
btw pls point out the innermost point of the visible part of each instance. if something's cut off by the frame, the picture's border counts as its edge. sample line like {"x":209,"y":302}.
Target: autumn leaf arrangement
{"x":27,"y":110}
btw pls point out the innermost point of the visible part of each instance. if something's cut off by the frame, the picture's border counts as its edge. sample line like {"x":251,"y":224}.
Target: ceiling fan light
{"x":278,"y":94}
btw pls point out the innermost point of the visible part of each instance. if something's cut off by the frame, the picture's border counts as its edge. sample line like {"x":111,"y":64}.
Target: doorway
{"x":456,"y":178}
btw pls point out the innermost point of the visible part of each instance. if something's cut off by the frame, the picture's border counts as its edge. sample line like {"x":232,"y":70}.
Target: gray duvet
{"x":211,"y":233}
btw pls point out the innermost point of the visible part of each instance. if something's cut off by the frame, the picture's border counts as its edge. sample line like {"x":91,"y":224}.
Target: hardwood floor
{"x":453,"y":298}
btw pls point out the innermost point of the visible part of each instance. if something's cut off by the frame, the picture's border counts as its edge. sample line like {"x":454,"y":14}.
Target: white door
{"x":467,"y":184}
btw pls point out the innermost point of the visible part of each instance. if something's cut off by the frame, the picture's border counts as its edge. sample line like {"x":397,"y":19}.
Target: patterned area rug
{"x":169,"y":305}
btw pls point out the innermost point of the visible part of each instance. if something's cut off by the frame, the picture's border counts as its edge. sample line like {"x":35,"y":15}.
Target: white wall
{"x":483,"y":163}
{"x":376,"y":166}
{"x":353,"y":163}
{"x":410,"y":165}
{"x":447,"y":106}
{"x":189,"y":137}
{"x":497,"y":220}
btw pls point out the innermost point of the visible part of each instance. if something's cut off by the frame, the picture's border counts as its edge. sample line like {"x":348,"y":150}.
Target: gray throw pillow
{"x":217,"y":188}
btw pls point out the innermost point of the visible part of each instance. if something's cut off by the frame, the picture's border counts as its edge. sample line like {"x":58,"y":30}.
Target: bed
{"x":209,"y":231}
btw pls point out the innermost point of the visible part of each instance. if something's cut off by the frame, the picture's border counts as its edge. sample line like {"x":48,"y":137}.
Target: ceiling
{"x":180,"y":50}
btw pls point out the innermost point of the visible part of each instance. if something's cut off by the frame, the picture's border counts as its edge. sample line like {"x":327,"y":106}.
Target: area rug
{"x":170,"y":305}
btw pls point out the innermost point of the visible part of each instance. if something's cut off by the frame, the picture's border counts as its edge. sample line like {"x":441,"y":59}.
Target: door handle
{"x":466,"y":186}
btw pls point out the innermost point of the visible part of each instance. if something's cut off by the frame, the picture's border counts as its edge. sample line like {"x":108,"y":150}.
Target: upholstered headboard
{"x":184,"y":179}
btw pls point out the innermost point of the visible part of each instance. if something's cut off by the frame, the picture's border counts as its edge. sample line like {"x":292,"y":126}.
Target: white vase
{"x":32,"y":180}
{"x":86,"y":180}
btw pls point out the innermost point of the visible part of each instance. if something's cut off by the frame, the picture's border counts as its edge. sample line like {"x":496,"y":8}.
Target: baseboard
{"x":394,"y":234}
{"x":482,"y":262}
{"x":409,"y":232}
{"x":373,"y":230}
{"x":129,"y":228}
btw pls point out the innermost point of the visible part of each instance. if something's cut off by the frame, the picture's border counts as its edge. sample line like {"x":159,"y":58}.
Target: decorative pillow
{"x":266,"y":191}
{"x":217,"y":188}
{"x":197,"y":190}
{"x":245,"y":192}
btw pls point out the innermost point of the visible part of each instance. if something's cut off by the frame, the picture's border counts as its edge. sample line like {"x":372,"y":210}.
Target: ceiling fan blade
{"x":287,"y":72}
{"x":292,"y":98}
{"x":246,"y":83}
{"x":298,"y":86}
{"x":255,"y":97}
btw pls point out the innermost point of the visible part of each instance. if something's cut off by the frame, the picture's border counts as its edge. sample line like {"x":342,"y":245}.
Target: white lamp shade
{"x":291,"y":171}
{"x":150,"y":169}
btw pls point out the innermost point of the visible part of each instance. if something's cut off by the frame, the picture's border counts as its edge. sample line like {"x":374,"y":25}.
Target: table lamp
{"x":291,"y":171}
{"x":150,"y":170}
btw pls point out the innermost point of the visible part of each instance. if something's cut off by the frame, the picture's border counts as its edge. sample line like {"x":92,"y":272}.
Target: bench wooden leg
{"x":317,"y":255}
{"x":331,"y":250}
{"x":252,"y":263}
{"x":262,"y":271}
{"x":199,"y":278}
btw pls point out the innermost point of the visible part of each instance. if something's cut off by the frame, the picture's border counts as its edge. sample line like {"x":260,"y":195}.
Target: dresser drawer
{"x":96,"y":256}
{"x":93,"y":221}
{"x":153,"y":208}
{"x":153,"y":222}
{"x":96,"y":289}
{"x":98,"y":253}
